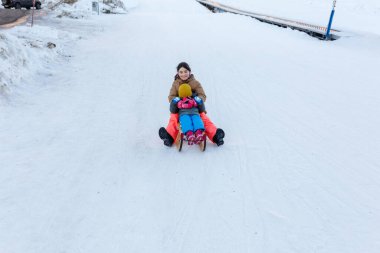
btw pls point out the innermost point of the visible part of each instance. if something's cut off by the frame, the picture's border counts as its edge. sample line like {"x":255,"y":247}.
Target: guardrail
{"x":312,"y":30}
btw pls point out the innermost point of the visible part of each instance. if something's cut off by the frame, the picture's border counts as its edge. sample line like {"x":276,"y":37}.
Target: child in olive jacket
{"x":169,"y":134}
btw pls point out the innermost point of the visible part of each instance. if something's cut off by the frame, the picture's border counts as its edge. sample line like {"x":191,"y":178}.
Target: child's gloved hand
{"x":175,"y":100}
{"x":173,"y":105}
{"x":198,"y":100}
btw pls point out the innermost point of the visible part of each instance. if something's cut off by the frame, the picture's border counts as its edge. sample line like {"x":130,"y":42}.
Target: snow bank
{"x":24,"y":52}
{"x":27,"y":52}
{"x":351,"y":15}
{"x":83,"y":8}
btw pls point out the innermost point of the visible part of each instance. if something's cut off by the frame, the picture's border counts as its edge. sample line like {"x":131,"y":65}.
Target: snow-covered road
{"x":82,"y":168}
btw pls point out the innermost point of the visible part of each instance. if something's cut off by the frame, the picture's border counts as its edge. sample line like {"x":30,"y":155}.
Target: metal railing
{"x":313,"y":30}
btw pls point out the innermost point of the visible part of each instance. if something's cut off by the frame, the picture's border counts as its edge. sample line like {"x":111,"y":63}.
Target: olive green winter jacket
{"x":196,"y":88}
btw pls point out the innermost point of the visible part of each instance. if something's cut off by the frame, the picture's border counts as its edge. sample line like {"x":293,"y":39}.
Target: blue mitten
{"x":173,"y":105}
{"x":176,"y":100}
{"x":198,"y":100}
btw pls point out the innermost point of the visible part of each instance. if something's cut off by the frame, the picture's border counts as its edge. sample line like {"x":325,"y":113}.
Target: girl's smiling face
{"x":183,"y":73}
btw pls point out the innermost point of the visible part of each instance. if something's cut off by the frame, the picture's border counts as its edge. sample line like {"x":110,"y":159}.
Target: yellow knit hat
{"x":184,"y":90}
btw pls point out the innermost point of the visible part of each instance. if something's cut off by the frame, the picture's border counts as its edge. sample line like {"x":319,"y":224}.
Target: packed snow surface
{"x":82,"y":168}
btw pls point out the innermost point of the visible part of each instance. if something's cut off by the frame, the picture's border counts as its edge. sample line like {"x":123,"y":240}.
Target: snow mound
{"x":83,"y":9}
{"x":25,"y":51}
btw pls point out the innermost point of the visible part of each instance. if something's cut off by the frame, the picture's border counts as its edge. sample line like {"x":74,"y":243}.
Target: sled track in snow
{"x":312,"y":30}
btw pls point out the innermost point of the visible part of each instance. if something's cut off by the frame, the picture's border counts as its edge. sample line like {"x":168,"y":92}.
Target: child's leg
{"x":198,"y":129}
{"x":186,"y":123}
{"x":172,"y":127}
{"x":208,"y":125}
{"x":197,"y":123}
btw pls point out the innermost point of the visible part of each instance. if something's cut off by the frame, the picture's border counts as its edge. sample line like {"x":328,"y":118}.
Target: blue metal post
{"x":330,"y":21}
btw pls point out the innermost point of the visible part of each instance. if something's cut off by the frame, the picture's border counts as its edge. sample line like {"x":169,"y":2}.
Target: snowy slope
{"x":83,"y":169}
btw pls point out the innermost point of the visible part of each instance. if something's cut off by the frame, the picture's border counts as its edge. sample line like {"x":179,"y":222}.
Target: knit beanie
{"x":184,"y":90}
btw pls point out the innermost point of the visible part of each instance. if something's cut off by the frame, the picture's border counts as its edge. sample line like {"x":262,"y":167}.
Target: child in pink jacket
{"x":188,"y":110}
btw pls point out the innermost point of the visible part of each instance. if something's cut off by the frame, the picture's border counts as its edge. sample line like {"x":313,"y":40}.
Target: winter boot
{"x":199,"y":136}
{"x":166,"y":137}
{"x":190,"y":137}
{"x":218,"y":137}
